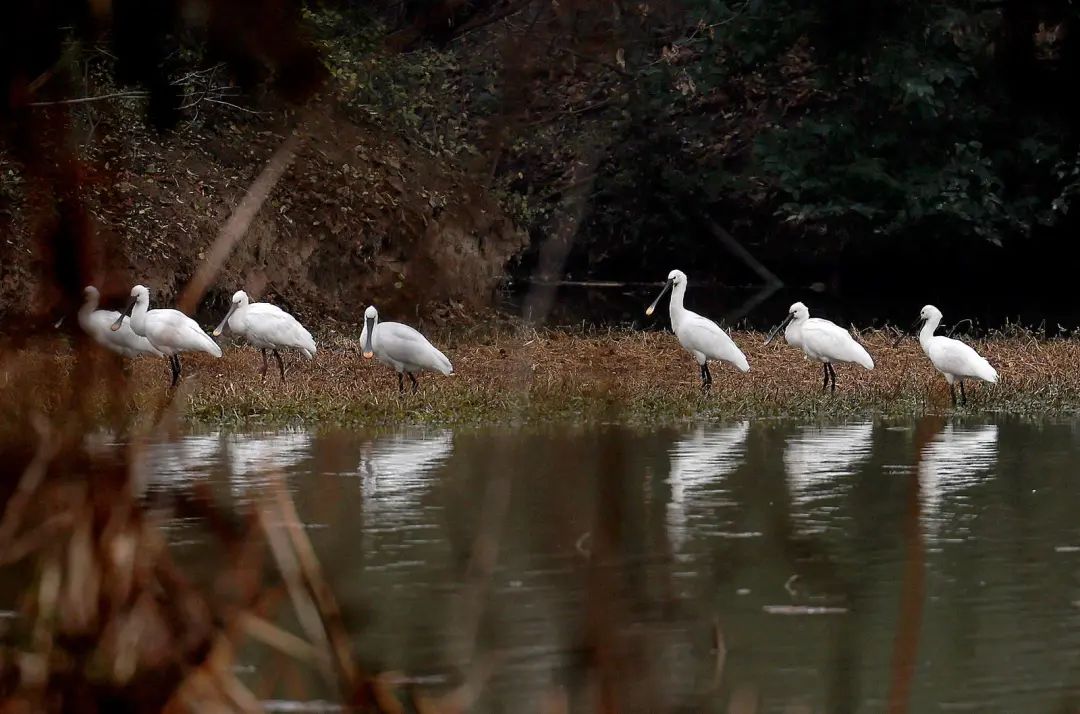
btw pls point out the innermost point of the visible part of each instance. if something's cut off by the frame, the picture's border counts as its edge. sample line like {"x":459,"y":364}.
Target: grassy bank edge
{"x":529,"y":376}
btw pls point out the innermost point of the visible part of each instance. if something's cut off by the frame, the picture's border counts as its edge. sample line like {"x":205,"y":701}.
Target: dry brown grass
{"x":529,"y":375}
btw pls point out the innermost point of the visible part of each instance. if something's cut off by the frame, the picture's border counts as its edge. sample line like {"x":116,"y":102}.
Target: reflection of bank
{"x":698,"y":462}
{"x":397,"y":470}
{"x":950,"y":463}
{"x":817,"y":458}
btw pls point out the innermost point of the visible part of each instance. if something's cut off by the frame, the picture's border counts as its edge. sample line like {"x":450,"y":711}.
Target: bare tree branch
{"x":86,"y":100}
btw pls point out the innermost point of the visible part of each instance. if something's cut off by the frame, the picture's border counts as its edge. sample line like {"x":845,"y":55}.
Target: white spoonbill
{"x":951,"y":357}
{"x":401,"y":347}
{"x":821,"y":340}
{"x":170,"y":331}
{"x":698,"y":335}
{"x":267,"y":327}
{"x":96,"y":324}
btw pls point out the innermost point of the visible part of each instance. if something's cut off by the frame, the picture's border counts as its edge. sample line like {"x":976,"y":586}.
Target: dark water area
{"x":838,"y":566}
{"x":623,"y":305}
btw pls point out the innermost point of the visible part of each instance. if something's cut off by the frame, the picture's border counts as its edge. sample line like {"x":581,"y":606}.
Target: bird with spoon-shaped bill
{"x":822,"y":341}
{"x":698,"y":335}
{"x":169,"y":331}
{"x":401,"y":347}
{"x":954,"y":359}
{"x":266,"y":327}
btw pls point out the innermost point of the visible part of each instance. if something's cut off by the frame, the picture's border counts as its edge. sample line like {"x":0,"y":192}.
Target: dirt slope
{"x":358,"y":218}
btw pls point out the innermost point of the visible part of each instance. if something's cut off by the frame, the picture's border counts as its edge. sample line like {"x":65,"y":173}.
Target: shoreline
{"x":525,"y":375}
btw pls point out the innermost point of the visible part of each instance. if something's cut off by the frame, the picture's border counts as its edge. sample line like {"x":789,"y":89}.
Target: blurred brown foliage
{"x":108,"y":622}
{"x":259,"y":42}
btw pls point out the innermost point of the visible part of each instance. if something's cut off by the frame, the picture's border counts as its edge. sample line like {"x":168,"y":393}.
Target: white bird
{"x":266,"y":327}
{"x":951,"y":357}
{"x":698,"y":335}
{"x":822,"y":341}
{"x":96,"y":323}
{"x":170,"y":331}
{"x":401,"y":347}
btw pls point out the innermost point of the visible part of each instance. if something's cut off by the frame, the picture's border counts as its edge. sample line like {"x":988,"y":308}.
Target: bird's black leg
{"x":400,"y":383}
{"x":952,"y":393}
{"x":415,"y":384}
{"x":832,"y":373}
{"x":825,"y":369}
{"x":963,"y":397}
{"x":706,"y":378}
{"x":281,"y":367}
{"x":175,"y":364}
{"x":265,"y":365}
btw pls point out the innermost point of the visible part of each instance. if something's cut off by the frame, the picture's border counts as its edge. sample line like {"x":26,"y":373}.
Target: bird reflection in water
{"x":818,"y":459}
{"x":698,"y":463}
{"x":396,"y":470}
{"x":953,"y":461}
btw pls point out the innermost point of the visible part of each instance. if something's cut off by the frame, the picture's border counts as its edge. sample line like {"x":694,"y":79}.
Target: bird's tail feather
{"x":210,"y":346}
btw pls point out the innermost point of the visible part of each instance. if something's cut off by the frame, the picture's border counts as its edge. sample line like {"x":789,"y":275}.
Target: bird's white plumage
{"x":402,"y":347}
{"x":98,"y":325}
{"x":822,"y":340}
{"x":699,"y":335}
{"x":793,"y":335}
{"x":952,"y":358}
{"x":170,"y":331}
{"x":266,"y":326}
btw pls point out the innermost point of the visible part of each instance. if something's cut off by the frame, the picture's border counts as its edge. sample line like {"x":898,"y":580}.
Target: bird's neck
{"x":87,"y":308}
{"x":238,"y":320}
{"x":676,"y":309}
{"x":928,"y":329}
{"x":794,"y":328}
{"x":138,"y":317}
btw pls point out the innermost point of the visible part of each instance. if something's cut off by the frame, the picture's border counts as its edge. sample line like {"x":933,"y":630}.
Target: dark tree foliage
{"x":849,"y":122}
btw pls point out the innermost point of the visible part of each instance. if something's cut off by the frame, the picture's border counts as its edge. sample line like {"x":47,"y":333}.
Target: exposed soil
{"x":358,"y":218}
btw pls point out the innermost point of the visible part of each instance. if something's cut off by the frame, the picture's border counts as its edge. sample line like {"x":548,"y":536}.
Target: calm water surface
{"x":838,"y":565}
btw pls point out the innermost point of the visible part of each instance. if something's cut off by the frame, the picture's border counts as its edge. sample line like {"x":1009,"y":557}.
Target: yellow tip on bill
{"x":648,"y":311}
{"x":368,"y":355}
{"x":217,"y":333}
